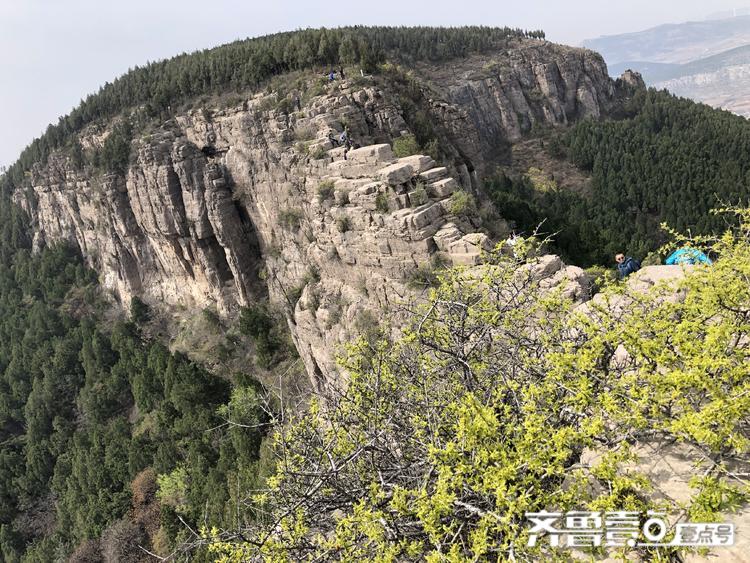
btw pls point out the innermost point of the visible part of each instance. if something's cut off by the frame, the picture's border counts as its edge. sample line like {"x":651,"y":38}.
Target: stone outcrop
{"x":222,"y":206}
{"x":495,"y":100}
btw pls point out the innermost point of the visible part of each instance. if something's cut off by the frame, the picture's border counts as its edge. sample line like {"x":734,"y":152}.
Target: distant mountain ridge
{"x":707,"y":61}
{"x":674,"y":43}
{"x":661,"y":72}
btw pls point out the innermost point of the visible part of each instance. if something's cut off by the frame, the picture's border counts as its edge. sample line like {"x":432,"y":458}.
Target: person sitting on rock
{"x":687,"y":256}
{"x":626,"y":266}
{"x":332,"y":76}
{"x":334,"y":140}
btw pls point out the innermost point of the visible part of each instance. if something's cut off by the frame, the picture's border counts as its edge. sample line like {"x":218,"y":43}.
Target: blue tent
{"x":687,"y":255}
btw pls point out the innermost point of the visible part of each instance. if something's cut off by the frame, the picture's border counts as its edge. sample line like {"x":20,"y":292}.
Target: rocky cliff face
{"x":222,"y":205}
{"x":488,"y":102}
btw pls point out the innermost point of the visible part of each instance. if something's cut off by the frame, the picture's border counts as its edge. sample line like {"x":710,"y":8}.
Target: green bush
{"x":343,"y":224}
{"x":462,"y":203}
{"x":381,"y":203}
{"x":312,"y":275}
{"x":600,"y":277}
{"x":326,"y":190}
{"x":258,"y":323}
{"x":426,"y":275}
{"x":367,"y":325}
{"x":405,"y":146}
{"x":140,"y":313}
{"x":419,"y":195}
{"x":291,"y":218}
{"x":432,"y":148}
{"x":173,"y":488}
{"x":115,"y":153}
{"x":294,"y":294}
{"x":318,"y":152}
{"x":652,"y":259}
{"x":344,"y":195}
{"x":284,"y":105}
{"x":211,"y":317}
{"x":305,"y":133}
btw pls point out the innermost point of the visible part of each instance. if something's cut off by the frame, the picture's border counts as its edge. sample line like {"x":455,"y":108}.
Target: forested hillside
{"x":93,"y":417}
{"x":666,"y":159}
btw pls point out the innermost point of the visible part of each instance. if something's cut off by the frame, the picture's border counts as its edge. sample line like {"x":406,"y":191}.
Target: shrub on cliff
{"x":406,"y":145}
{"x":115,"y":153}
{"x":326,"y":190}
{"x":140,"y":313}
{"x":291,"y":218}
{"x":462,"y":203}
{"x":259,"y":322}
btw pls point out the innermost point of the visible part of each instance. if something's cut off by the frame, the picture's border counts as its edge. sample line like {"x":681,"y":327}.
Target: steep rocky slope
{"x":221,"y":205}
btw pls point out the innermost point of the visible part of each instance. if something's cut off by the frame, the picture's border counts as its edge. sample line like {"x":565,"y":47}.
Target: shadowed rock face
{"x":215,"y":196}
{"x":491,"y":101}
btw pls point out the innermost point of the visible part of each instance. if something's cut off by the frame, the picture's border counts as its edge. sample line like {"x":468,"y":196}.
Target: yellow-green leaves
{"x":495,"y":401}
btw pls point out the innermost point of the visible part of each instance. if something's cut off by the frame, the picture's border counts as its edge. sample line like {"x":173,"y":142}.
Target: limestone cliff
{"x":221,"y":205}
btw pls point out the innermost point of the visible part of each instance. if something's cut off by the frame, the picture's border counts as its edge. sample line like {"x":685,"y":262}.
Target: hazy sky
{"x":54,"y":52}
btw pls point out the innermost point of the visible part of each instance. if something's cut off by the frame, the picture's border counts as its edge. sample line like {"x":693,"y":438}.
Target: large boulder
{"x":442,"y":188}
{"x":467,"y":251}
{"x":419,"y":162}
{"x":395,"y":174}
{"x":371,"y":154}
{"x":650,"y":276}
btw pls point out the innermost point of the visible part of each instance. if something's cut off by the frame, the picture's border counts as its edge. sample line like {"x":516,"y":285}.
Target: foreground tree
{"x":488,"y":406}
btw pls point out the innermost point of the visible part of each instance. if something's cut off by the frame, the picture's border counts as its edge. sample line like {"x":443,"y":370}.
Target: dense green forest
{"x":247,"y":64}
{"x":666,"y":160}
{"x":93,"y":417}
